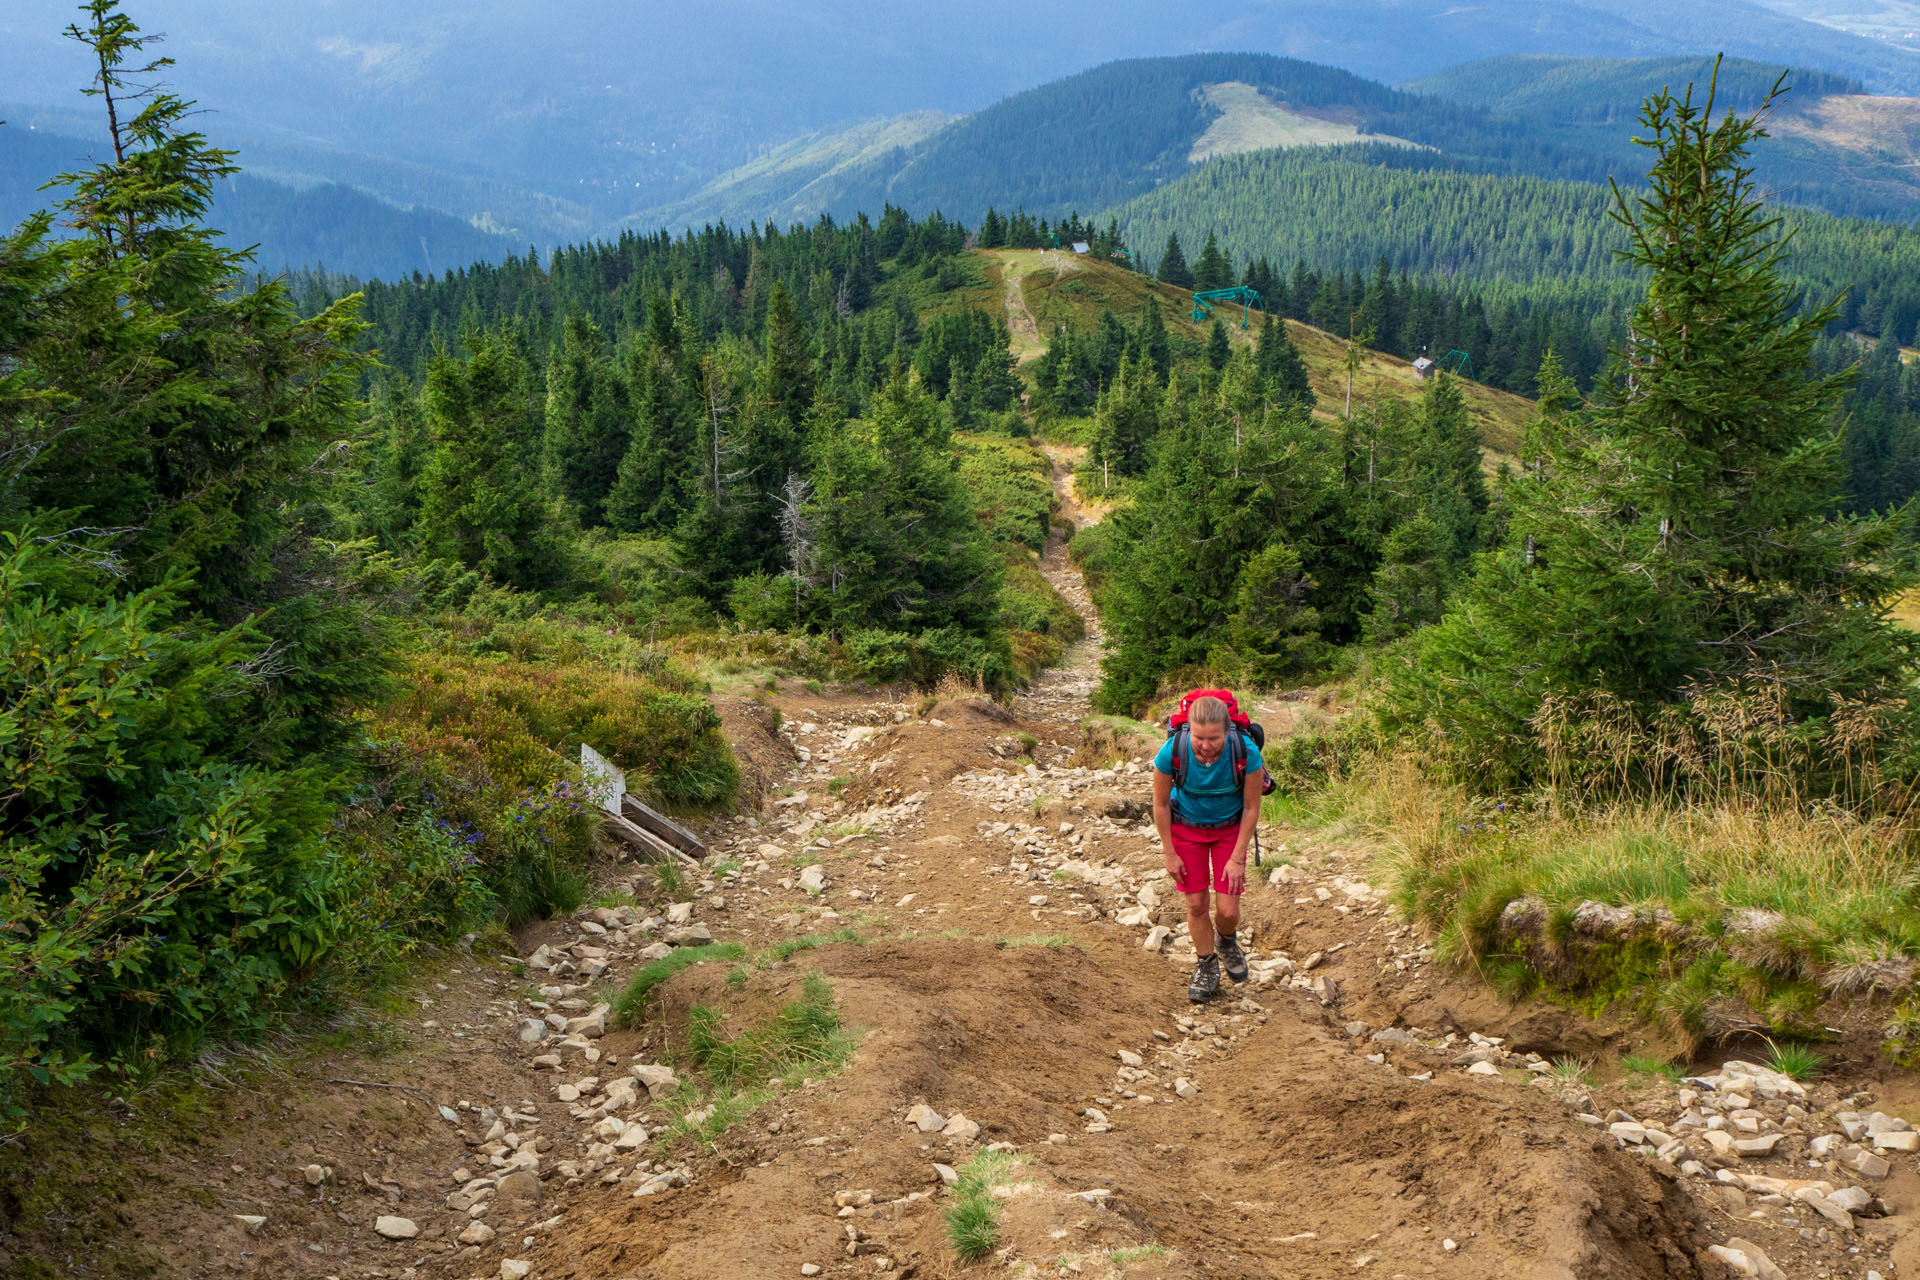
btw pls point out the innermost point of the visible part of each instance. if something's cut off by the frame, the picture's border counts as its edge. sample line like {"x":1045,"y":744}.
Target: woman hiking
{"x":1207,"y":784}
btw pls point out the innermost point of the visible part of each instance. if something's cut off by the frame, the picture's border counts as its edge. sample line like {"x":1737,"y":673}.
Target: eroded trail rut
{"x":1255,"y":1137}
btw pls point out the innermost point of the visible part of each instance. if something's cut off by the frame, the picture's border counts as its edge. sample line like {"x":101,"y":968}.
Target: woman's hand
{"x":1174,"y":869}
{"x":1236,"y":870}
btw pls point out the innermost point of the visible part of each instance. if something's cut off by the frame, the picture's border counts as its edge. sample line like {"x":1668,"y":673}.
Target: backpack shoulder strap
{"x":1238,"y":746}
{"x":1181,"y":738}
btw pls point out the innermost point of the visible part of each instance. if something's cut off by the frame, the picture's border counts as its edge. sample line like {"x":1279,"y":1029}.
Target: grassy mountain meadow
{"x":313,"y":588}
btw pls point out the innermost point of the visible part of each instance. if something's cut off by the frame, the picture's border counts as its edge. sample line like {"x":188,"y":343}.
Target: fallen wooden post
{"x":648,"y":844}
{"x":661,"y":825}
{"x":642,"y":830}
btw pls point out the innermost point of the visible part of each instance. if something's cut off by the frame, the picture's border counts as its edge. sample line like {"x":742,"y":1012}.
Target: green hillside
{"x":1833,"y":146}
{"x":789,"y":183}
{"x":1540,"y":245}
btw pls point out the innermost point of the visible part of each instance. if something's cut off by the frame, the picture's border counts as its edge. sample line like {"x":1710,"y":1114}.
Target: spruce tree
{"x":588,"y":421}
{"x":1212,"y":270}
{"x":1173,"y":264}
{"x":1219,"y":345}
{"x":482,"y":505}
{"x":1281,"y":365}
{"x":1678,"y":539}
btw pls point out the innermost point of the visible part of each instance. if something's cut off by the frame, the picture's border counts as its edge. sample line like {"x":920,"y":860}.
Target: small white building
{"x":1423,"y":368}
{"x":1081,"y":246}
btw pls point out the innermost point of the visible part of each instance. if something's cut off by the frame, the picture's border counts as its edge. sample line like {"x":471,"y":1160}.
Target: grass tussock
{"x":630,"y":1006}
{"x":804,"y":1039}
{"x":973,"y":1219}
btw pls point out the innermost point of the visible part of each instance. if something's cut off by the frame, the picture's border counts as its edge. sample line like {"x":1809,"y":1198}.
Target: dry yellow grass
{"x":1251,"y":121}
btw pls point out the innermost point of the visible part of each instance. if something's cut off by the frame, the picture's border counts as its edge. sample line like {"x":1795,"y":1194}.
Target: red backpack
{"x":1240,"y":727}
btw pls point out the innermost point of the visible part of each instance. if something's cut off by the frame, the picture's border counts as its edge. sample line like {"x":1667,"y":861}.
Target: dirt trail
{"x":1020,"y":968}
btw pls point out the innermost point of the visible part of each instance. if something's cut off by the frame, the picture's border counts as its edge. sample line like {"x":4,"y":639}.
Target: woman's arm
{"x":1163,"y":823}
{"x":1249,"y":822}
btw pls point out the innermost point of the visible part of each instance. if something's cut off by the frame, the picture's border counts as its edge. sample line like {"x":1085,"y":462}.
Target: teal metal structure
{"x":1462,"y":367}
{"x":1248,"y":299}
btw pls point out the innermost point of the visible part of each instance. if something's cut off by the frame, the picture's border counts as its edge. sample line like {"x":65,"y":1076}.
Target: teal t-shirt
{"x":1209,"y":797}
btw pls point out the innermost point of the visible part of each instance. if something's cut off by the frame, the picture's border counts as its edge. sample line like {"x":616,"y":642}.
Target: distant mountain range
{"x":477,"y":128}
{"x":1092,"y":141}
{"x":557,"y":121}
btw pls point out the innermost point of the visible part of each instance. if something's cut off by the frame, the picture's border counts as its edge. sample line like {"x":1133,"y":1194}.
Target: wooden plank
{"x":648,"y":843}
{"x":604,"y":780}
{"x":662,"y":826}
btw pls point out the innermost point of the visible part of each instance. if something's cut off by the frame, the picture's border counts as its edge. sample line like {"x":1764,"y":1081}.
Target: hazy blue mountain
{"x":330,"y":225}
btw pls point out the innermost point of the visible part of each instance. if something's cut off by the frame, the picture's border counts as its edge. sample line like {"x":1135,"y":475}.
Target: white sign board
{"x":605,"y":783}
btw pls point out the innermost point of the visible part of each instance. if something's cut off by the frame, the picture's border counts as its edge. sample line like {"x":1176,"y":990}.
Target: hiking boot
{"x":1205,"y":980}
{"x":1232,"y":958}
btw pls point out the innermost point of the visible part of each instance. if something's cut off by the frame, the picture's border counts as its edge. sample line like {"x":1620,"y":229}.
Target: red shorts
{"x":1203,"y":856}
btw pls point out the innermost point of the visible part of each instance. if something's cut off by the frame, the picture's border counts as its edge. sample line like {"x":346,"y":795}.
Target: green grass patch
{"x":615,"y":898}
{"x":630,"y":1006}
{"x":787,"y":948}
{"x":836,"y":785}
{"x":804,"y":1039}
{"x":1136,"y":1253}
{"x":1034,"y":940}
{"x":973,"y":1219}
{"x":1646,"y":1065}
{"x":1795,"y":1061}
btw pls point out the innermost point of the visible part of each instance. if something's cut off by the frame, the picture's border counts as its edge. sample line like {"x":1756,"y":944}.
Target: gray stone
{"x":1901,"y":1140}
{"x":688,"y":935}
{"x":813,"y":879}
{"x":476,"y":1233}
{"x":1869,"y":1165}
{"x":1358,"y":1030}
{"x":396,"y":1228}
{"x":514,"y":1269}
{"x":659,"y":1080}
{"x":533,"y":1031}
{"x":1760,"y":1146}
{"x":1157,"y":937}
{"x":925,"y":1118}
{"x":252,"y":1223}
{"x":522,"y":1186}
{"x":947,"y":1174}
{"x":958,"y":1126}
{"x":1852,"y":1199}
{"x":1747,"y":1259}
{"x":1128,"y":1058}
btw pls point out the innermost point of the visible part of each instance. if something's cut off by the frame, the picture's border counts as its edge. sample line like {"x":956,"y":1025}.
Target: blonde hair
{"x":1207,"y":711}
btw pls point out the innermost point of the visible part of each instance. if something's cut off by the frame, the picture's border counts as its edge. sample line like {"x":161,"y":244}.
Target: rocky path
{"x":982,"y":889}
